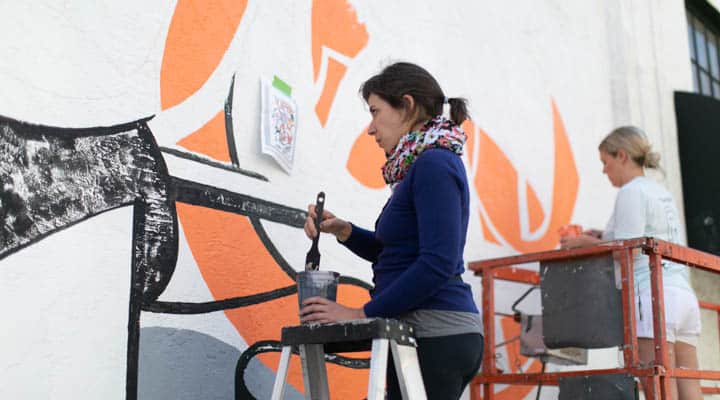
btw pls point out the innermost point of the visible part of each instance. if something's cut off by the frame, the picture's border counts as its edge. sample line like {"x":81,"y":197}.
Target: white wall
{"x":603,"y":64}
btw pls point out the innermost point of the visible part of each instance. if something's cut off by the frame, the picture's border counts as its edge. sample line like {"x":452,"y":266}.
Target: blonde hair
{"x":633,"y":141}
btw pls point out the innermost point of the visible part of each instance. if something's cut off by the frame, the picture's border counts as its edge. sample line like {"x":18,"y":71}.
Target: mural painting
{"x":57,"y":177}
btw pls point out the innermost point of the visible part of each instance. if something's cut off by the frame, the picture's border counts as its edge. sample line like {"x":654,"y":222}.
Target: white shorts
{"x":682,"y":315}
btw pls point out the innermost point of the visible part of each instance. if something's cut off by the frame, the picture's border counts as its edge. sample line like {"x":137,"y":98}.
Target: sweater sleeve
{"x":437,"y":194}
{"x":363,"y":243}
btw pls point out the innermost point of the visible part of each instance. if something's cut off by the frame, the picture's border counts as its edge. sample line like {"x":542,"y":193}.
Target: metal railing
{"x":658,"y":374}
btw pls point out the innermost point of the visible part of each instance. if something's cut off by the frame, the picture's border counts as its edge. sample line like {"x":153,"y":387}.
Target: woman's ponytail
{"x":458,"y":109}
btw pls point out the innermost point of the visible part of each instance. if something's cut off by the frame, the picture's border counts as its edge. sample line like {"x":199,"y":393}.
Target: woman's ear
{"x":409,"y":103}
{"x":621,"y":155}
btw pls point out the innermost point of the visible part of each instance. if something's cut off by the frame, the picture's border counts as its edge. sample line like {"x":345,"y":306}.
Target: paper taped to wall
{"x":278,"y":123}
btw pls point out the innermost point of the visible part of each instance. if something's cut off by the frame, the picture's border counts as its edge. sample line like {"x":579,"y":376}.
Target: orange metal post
{"x":662,"y":360}
{"x":515,"y":274}
{"x":630,"y":345}
{"x":488,"y":296}
{"x":658,"y":377}
{"x":715,"y":307}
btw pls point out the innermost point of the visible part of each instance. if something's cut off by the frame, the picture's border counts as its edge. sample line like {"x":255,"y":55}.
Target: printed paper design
{"x":278,"y":126}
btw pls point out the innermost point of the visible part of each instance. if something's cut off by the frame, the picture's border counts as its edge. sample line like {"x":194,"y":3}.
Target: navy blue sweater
{"x":417,"y":247}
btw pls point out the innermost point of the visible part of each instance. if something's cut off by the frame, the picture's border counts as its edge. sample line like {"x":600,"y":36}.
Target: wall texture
{"x":149,"y":250}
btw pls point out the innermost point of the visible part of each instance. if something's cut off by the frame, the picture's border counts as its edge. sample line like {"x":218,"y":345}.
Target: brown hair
{"x":400,"y":79}
{"x":633,"y":141}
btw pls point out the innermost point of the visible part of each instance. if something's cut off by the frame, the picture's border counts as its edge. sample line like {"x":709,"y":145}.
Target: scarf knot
{"x":438,"y":132}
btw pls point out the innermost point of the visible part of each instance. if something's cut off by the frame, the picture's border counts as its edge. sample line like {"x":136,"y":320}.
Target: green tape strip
{"x":280,"y":85}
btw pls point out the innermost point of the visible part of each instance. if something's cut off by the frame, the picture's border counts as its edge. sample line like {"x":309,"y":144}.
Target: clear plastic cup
{"x":317,"y":283}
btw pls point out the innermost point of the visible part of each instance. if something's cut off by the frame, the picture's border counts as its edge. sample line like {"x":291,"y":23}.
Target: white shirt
{"x":645,"y":208}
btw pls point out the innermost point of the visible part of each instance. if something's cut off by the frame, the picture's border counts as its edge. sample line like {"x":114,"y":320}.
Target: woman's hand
{"x":578,"y":241}
{"x":321,"y":310}
{"x":596,"y":233}
{"x":329,"y":224}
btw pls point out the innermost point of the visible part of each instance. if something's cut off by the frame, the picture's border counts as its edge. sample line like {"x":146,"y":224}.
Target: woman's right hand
{"x":596,"y":233}
{"x":578,"y":241}
{"x":329,"y":224}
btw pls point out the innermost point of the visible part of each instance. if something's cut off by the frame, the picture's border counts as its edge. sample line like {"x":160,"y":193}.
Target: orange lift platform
{"x":620,"y":254}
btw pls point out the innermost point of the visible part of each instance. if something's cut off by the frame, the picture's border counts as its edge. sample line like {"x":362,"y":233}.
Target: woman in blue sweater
{"x":416,"y":249}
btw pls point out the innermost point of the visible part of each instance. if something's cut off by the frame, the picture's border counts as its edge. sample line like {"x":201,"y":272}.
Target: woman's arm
{"x":578,"y":241}
{"x":363,"y":243}
{"x":437,"y":191}
{"x":359,"y":241}
{"x":596,"y":233}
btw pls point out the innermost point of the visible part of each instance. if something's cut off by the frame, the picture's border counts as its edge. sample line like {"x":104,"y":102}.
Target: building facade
{"x":149,"y":245}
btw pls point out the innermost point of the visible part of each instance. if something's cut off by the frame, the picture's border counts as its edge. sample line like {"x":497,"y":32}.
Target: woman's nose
{"x":371,"y":130}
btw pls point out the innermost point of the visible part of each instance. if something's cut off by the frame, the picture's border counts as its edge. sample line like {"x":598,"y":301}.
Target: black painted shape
{"x":38,"y":196}
{"x":698,"y":123}
{"x":270,"y":247}
{"x":581,"y":305}
{"x":168,"y":307}
{"x":244,"y":301}
{"x":215,"y":164}
{"x":56,"y":177}
{"x":230,"y":140}
{"x":348,"y":280}
{"x":52,"y":178}
{"x":229,"y":134}
{"x":256,"y":209}
{"x":134,"y":309}
{"x":224,"y":200}
{"x":598,"y":387}
{"x":265,"y":346}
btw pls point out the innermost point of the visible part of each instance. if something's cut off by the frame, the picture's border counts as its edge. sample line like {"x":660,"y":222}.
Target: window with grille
{"x":704,"y":40}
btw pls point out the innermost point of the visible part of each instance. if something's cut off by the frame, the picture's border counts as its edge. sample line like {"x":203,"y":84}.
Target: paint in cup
{"x":317,"y":283}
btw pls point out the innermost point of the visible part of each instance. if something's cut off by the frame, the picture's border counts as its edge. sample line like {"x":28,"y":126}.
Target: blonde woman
{"x":645,"y":208}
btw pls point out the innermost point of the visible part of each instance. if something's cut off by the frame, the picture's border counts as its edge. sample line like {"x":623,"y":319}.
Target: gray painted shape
{"x":181,"y":364}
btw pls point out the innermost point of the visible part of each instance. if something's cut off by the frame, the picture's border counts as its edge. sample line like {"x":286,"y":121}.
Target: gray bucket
{"x":317,"y":283}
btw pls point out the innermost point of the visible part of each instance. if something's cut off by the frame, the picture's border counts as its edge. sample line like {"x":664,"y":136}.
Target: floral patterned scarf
{"x":438,"y":132}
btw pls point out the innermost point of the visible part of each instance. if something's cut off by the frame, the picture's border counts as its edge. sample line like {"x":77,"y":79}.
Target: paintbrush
{"x":312,"y":259}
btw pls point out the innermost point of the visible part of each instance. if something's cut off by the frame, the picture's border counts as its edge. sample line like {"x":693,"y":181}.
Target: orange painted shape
{"x":198,"y":37}
{"x":565,"y":182}
{"x":535,"y":211}
{"x":231,"y":257}
{"x":496,"y":185}
{"x":469,"y":127}
{"x":487,"y":235}
{"x":335,"y":25}
{"x":211,"y":139}
{"x":365,"y":162}
{"x":233,"y":261}
{"x":352,"y":296}
{"x":335,"y":72}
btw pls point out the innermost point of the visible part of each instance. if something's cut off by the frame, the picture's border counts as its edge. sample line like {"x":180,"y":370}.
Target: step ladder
{"x":376,"y":334}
